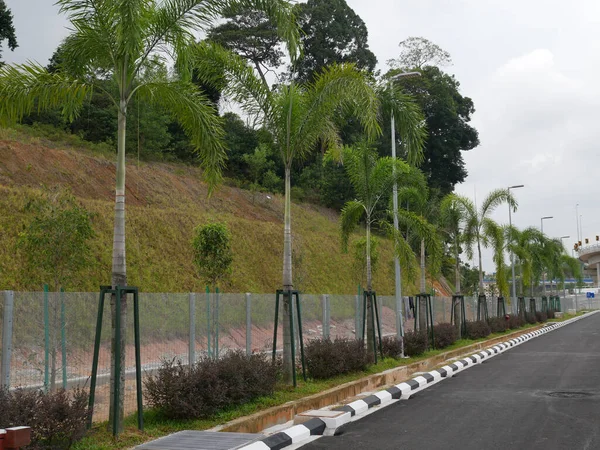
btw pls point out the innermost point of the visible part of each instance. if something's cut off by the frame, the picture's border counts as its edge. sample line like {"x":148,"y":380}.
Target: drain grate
{"x":570,"y":394}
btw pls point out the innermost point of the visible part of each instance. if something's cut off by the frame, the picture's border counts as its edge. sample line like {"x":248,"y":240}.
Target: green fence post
{"x":216,"y":323}
{"x":117,"y":366}
{"x":208,"y":320}
{"x":63,"y":337}
{"x":46,"y":340}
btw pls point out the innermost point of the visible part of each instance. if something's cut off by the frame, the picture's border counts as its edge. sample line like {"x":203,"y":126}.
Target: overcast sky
{"x":530,"y":66}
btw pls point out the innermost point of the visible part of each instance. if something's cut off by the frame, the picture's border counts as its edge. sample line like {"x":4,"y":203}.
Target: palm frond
{"x":27,"y":88}
{"x":228,"y":72}
{"x":409,"y":121}
{"x":196,"y":114}
{"x":494,"y":199}
{"x":404,"y":252}
{"x":349,"y":218}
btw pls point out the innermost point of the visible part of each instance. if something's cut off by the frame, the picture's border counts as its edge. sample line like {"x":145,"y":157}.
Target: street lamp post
{"x":512,"y":255}
{"x":542,"y":229}
{"x":398,"y":275}
{"x":564,"y":248}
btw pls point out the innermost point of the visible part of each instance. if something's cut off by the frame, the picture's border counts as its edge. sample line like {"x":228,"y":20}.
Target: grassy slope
{"x":164,"y":204}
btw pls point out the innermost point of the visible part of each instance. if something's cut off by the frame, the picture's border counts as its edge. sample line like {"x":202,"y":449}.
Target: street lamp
{"x":542,"y":228}
{"x":564,"y":248}
{"x":512,"y":255}
{"x":398,"y":280}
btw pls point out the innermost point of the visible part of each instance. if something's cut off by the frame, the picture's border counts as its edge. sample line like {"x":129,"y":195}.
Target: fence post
{"x":357,"y":321}
{"x":192,"y":337}
{"x":208,"y":322}
{"x":46,"y":340}
{"x":324,"y":301}
{"x":7,"y":326}
{"x":63,"y":337}
{"x":248,"y":324}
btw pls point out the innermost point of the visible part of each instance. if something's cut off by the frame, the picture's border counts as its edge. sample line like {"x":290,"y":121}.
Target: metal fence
{"x":47,"y":339}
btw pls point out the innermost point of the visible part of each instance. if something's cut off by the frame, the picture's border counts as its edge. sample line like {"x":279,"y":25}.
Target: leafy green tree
{"x":332,"y":33}
{"x":240,"y":140}
{"x":7,"y":29}
{"x":447,"y":115}
{"x":299,"y":117}
{"x":56,"y":246}
{"x":478,"y":227}
{"x":418,"y":52}
{"x":212,"y":252}
{"x":258,"y":163}
{"x":253,"y":36}
{"x":122,"y":38}
{"x":372,"y":177}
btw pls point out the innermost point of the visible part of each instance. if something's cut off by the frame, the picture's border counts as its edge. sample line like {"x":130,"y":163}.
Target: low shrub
{"x":326,"y":358}
{"x":57,"y":419}
{"x":541,"y":316}
{"x":478,"y":329}
{"x":415,"y":343}
{"x":515,"y":321}
{"x":391,"y":347}
{"x":498,"y":324}
{"x":531,"y":318}
{"x":444,"y":335}
{"x":181,"y":392}
{"x":551,"y":314}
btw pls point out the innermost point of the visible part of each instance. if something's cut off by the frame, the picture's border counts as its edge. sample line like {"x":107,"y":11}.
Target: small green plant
{"x":212,"y":252}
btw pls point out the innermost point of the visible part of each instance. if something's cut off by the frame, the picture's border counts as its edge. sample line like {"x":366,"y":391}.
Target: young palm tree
{"x":300,"y":118}
{"x":372,"y":179}
{"x":120,"y":38}
{"x":452,"y":217}
{"x":522,"y":244}
{"x":478,"y":225}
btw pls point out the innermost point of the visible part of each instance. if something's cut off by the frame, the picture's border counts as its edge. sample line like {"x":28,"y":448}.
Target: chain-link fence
{"x":47,"y":339}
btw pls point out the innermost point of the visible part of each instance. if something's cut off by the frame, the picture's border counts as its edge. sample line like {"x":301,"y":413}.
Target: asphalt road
{"x":543,"y":394}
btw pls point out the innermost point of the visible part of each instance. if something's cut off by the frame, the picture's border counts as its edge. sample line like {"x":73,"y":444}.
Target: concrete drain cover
{"x":201,"y":440}
{"x":570,"y":394}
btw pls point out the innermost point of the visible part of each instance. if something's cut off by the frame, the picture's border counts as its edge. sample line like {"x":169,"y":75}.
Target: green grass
{"x":165,"y":203}
{"x":157,"y":426}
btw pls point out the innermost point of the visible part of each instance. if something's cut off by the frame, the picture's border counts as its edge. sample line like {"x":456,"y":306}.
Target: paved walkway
{"x":544,"y":394}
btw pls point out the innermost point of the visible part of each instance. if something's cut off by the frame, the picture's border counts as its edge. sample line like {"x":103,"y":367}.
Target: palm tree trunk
{"x":422,"y":301}
{"x":481,"y":290}
{"x":457,"y":269}
{"x":287,"y":280}
{"x":119,"y":268}
{"x":456,"y":304}
{"x":369,"y":287}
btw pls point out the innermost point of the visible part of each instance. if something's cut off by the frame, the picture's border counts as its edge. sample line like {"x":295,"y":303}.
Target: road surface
{"x":543,"y":394}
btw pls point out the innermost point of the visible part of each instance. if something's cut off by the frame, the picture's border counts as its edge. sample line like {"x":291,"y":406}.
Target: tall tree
{"x":253,"y":36}
{"x":122,"y":38}
{"x":299,"y":117}
{"x":447,"y":114}
{"x":7,"y":29}
{"x":478,"y":224}
{"x":332,"y":33}
{"x":418,"y":52}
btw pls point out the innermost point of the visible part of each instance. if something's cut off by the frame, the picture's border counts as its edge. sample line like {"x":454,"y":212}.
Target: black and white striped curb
{"x":318,"y":426}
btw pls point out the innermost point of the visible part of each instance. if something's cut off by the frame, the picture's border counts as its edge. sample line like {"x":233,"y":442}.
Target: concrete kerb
{"x":359,"y":408}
